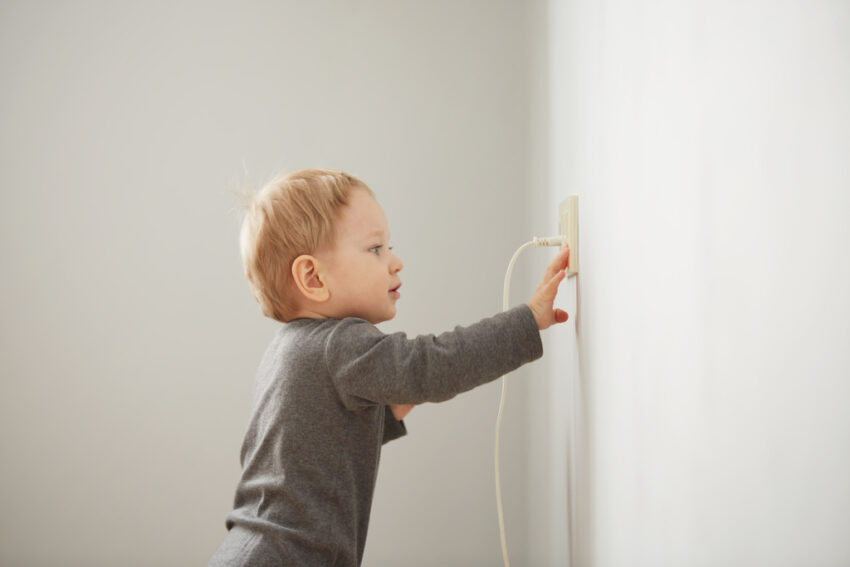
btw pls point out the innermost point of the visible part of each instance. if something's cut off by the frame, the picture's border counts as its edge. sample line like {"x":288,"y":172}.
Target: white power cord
{"x":548,"y":241}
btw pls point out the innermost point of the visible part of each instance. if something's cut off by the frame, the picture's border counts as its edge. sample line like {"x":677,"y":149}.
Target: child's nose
{"x":396,"y":265}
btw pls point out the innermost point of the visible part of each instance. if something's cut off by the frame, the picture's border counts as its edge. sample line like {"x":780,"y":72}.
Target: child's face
{"x":361,"y":271}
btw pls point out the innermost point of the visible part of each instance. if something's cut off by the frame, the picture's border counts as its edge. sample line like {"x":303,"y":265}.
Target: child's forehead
{"x":364,"y":217}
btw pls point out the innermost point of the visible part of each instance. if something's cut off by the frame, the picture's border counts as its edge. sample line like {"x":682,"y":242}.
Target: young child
{"x":331,"y":388}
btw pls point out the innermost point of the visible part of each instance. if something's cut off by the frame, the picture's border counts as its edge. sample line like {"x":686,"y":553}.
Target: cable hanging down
{"x":548,"y":241}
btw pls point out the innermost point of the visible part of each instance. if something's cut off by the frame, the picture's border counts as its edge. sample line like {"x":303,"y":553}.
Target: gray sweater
{"x":310,"y":455}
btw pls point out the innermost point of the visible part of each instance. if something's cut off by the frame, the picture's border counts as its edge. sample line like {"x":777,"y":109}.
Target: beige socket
{"x":568,"y":228}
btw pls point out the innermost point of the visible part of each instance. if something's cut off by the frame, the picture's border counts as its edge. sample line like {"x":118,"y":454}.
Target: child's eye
{"x":377,"y":249}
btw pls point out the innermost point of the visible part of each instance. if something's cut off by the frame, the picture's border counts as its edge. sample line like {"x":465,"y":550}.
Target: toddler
{"x":331,"y":388}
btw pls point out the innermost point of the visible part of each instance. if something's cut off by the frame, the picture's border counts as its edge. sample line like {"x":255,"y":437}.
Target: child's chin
{"x":385,"y":317}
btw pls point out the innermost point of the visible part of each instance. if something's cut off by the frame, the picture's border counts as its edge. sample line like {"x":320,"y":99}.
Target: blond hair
{"x":292,"y":215}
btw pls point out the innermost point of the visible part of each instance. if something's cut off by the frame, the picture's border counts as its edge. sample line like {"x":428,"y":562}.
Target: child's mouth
{"x":394,"y":292}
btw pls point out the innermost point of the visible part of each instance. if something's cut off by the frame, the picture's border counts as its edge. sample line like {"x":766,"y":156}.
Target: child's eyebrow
{"x":375,"y":234}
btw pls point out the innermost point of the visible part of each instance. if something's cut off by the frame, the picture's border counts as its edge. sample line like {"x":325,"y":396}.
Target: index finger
{"x":558,"y":263}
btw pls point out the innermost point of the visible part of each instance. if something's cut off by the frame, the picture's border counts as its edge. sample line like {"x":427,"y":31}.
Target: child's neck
{"x":311,"y":314}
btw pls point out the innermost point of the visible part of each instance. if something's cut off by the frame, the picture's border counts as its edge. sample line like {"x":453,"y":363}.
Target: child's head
{"x":315,"y":243}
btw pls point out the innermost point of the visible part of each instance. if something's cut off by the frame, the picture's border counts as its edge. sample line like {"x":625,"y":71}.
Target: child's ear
{"x":305,"y":273}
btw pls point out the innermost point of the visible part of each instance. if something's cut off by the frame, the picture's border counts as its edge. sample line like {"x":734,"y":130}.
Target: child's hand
{"x":400,"y":411}
{"x":543,"y":299}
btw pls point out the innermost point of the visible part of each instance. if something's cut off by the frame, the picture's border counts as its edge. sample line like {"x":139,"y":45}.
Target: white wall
{"x":709,"y":144}
{"x":128,"y":336}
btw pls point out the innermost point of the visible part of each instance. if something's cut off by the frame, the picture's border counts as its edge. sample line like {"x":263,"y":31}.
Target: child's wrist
{"x":537,"y":317}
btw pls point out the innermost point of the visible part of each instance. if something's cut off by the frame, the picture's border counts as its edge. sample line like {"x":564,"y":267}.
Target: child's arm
{"x":541,"y":304}
{"x":369,"y":367}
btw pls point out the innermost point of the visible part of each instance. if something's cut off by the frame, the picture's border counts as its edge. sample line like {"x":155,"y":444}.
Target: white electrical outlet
{"x":568,"y":228}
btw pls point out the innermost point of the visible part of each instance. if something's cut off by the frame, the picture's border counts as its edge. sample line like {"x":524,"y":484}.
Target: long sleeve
{"x":321,"y":416}
{"x":369,"y":367}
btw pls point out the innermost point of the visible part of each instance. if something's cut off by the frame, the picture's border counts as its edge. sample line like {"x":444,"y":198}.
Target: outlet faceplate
{"x":568,"y":228}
